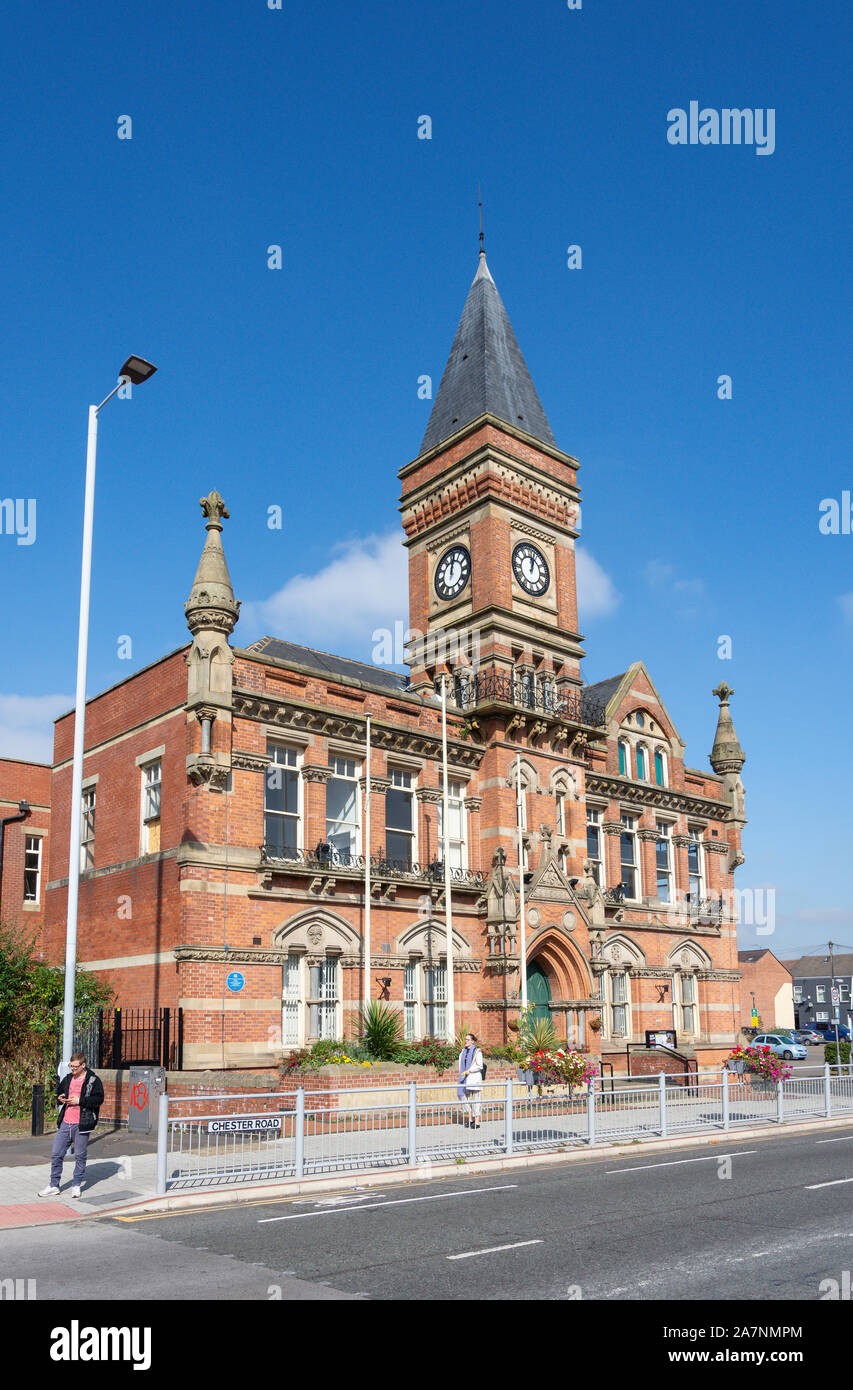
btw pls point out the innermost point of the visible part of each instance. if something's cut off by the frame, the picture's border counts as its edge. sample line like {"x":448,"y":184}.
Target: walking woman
{"x":471,"y":1080}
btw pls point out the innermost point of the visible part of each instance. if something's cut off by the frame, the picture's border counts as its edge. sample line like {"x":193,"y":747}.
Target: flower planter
{"x":525,"y":1077}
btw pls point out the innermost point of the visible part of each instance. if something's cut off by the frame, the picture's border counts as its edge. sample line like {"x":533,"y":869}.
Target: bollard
{"x":299,"y":1134}
{"x":162,"y":1142}
{"x":508,"y":1117}
{"x":662,"y":1099}
{"x":827,"y":1091}
{"x":725,"y":1098}
{"x":412,"y":1125}
{"x":38,"y":1110}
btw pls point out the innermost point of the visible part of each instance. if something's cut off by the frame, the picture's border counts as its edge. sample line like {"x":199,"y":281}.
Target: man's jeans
{"x":67,"y":1135}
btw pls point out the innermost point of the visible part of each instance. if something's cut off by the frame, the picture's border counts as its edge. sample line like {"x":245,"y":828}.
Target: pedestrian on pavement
{"x":471,"y":1080}
{"x":81,"y":1095}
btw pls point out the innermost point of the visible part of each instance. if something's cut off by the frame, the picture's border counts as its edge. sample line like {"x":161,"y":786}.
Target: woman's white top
{"x":474,"y":1080}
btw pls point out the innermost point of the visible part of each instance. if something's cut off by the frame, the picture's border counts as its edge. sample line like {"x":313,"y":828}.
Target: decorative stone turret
{"x":212,"y":612}
{"x":727,"y":756}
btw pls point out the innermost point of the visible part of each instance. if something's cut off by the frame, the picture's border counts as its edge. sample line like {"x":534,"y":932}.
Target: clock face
{"x":530,"y":568}
{"x":453,"y":572}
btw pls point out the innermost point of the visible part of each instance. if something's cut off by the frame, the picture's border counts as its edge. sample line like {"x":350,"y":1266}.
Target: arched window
{"x":624,"y":759}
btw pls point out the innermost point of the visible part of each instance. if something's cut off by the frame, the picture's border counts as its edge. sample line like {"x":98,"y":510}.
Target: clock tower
{"x":489,"y":508}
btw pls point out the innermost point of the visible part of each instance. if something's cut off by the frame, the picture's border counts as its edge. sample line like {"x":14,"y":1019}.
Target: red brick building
{"x":26,"y":843}
{"x":224,"y":787}
{"x":768,"y":983}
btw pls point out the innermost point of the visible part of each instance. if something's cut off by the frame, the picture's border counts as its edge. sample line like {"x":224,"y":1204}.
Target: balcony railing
{"x":573,"y":706}
{"x":325,"y":857}
{"x":703,"y":910}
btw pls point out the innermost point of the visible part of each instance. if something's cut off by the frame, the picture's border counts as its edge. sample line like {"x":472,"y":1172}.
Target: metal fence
{"x":121,"y":1038}
{"x":205,"y":1141}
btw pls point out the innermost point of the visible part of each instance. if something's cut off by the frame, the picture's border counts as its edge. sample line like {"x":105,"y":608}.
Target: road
{"x":761,"y":1219}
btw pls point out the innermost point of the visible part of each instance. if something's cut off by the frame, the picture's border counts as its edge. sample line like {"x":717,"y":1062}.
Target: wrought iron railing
{"x":572,"y":705}
{"x":326,"y":857}
{"x":703,"y":910}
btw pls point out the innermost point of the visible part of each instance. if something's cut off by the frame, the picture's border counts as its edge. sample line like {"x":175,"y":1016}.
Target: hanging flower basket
{"x":525,"y":1076}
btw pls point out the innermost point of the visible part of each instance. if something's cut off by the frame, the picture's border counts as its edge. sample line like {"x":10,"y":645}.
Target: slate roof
{"x":328,"y":665}
{"x":817,"y":967}
{"x":605,"y":690}
{"x":485,"y":371}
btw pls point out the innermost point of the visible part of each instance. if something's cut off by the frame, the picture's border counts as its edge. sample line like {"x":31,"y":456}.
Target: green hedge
{"x":829,"y":1054}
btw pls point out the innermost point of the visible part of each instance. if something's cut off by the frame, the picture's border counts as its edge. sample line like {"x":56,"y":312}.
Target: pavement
{"x":759,"y":1219}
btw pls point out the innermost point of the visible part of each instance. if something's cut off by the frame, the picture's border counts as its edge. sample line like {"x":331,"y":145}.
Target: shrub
{"x":427,"y":1053}
{"x":829,"y":1052}
{"x":380,"y":1030}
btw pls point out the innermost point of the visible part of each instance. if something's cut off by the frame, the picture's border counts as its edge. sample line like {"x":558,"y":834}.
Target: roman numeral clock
{"x":453,"y":572}
{"x":530,"y":569}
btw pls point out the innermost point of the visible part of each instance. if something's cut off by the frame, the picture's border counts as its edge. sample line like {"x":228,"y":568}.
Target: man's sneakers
{"x":51,"y":1192}
{"x":76,"y":1191}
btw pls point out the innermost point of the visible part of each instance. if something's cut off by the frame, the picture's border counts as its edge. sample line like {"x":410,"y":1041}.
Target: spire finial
{"x":480,"y":201}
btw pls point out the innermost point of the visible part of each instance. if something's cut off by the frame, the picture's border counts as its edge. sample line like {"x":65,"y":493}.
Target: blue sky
{"x":297,"y":387}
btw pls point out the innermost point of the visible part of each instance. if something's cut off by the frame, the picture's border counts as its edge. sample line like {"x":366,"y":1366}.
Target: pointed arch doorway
{"x":539,"y":991}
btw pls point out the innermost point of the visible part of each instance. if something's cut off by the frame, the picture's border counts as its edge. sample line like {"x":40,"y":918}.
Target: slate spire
{"x":485,"y":371}
{"x":727,"y":754}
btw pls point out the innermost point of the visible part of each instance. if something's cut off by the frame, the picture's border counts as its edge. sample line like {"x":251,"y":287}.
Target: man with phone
{"x":81,"y":1095}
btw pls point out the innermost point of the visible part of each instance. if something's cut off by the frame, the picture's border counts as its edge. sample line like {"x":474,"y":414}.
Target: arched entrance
{"x":539,"y":991}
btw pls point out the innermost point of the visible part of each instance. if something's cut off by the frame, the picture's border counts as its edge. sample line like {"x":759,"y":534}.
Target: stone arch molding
{"x":529,"y":776}
{"x":688,"y":955}
{"x":414,"y":939}
{"x":621,"y":951}
{"x":565,"y":966}
{"x":314,"y":930}
{"x":565,"y":782}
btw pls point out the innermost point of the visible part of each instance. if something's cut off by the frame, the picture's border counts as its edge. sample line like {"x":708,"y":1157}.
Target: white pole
{"x":367,"y":798}
{"x":523,"y":934}
{"x":448,"y":911}
{"x":77,"y":766}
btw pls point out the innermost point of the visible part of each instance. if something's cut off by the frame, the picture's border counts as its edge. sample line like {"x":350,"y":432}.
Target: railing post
{"x":162,"y":1141}
{"x":725,"y":1098}
{"x":299,"y":1134}
{"x":662,"y":1098}
{"x":508,"y":1116}
{"x":590,"y":1111}
{"x":780,"y":1102}
{"x":827,"y":1091}
{"x":412,"y":1125}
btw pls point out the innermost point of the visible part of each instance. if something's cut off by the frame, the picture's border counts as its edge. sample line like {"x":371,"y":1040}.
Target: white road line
{"x":813,"y":1186}
{"x":492,"y":1250}
{"x":399,"y":1202}
{"x":840,"y":1140}
{"x":676,"y":1162}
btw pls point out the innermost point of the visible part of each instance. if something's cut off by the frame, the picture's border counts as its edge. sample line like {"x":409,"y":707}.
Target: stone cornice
{"x":316,"y":772}
{"x":716,"y":846}
{"x":250,"y":762}
{"x":245,"y":955}
{"x":681,"y":841}
{"x":663,"y":798}
{"x":288,"y":713}
{"x":433,"y":795}
{"x":646,"y":834}
{"x":610,"y":827}
{"x":473,"y":803}
{"x":718,"y":974}
{"x":377,"y":784}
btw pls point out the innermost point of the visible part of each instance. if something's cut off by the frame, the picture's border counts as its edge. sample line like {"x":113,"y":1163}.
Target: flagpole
{"x":367,"y":799}
{"x":445,"y":829}
{"x":523,"y":934}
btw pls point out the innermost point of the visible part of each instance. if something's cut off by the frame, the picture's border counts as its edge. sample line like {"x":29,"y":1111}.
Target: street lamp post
{"x":135,"y":371}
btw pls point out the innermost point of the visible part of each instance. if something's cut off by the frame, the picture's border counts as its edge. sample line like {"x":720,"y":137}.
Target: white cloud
{"x":659,"y":574}
{"x":26,"y":725}
{"x":845,"y":602}
{"x":365,"y":586}
{"x":597,"y":595}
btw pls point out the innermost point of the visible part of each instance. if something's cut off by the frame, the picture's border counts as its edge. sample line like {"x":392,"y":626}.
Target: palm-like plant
{"x":380,"y":1030}
{"x":542,"y":1035}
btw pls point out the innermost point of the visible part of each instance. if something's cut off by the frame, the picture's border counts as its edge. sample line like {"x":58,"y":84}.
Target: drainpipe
{"x":24,"y":812}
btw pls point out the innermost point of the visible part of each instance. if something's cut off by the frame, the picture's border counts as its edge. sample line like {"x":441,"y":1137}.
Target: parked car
{"x":808,"y":1035}
{"x":827,"y":1031}
{"x":781,"y":1045}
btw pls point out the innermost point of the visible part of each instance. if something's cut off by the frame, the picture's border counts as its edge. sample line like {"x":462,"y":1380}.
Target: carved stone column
{"x":378,"y":788}
{"x":315,"y":777}
{"x":472,"y":806}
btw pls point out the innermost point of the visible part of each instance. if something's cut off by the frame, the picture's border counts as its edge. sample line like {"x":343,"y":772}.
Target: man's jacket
{"x":91,"y":1099}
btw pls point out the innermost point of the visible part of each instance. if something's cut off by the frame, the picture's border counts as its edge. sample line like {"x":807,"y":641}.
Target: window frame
{"x":409,"y":790}
{"x":664,"y":830}
{"x":356,"y":824}
{"x":629,"y":830}
{"x":145,"y":789}
{"x":458,"y":800}
{"x":297,"y":752}
{"x":88,"y":822}
{"x":34,"y":900}
{"x":600,"y":861}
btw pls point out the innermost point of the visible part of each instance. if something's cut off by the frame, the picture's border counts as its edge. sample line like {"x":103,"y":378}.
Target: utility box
{"x":147,"y":1085}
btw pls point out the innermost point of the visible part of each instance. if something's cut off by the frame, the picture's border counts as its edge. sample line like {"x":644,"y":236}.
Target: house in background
{"x":766,"y":983}
{"x":23,"y":868}
{"x":813,"y":983}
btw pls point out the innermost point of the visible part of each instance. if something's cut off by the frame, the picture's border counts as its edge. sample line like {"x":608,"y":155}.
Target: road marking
{"x":835,"y":1141}
{"x":492,"y":1250}
{"x":373,"y":1206}
{"x":675,"y":1163}
{"x":813,"y":1186}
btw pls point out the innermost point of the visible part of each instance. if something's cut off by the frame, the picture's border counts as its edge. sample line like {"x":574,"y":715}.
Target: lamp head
{"x":137,"y":370}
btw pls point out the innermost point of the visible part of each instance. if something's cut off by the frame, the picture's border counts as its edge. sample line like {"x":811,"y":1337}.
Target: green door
{"x":539,"y":992}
